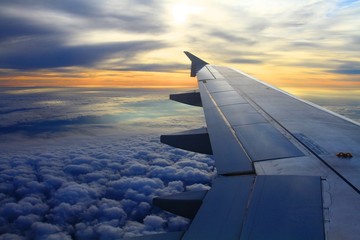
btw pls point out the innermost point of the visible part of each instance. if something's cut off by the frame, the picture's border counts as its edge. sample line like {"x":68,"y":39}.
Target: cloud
{"x":133,"y":16}
{"x":245,"y":61}
{"x":81,"y":110}
{"x":230,"y":37}
{"x":346,"y":67}
{"x":14,"y":28}
{"x":346,"y":71}
{"x":59,"y":202}
{"x":87,"y":35}
{"x":154,"y":222}
{"x":31,"y":43}
{"x":53,"y":54}
{"x":48,"y":231}
{"x":93,"y":185}
{"x":154,"y":67}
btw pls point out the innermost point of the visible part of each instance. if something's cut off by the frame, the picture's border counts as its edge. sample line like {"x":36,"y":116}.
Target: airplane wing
{"x":286,"y":168}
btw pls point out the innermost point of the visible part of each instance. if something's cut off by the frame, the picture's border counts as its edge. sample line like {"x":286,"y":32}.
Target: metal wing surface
{"x":286,"y":168}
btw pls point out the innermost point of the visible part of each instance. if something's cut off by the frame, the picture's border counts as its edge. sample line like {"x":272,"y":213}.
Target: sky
{"x":305,"y":47}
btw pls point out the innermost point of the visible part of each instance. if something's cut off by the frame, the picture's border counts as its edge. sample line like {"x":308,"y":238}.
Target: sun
{"x":181,"y":12}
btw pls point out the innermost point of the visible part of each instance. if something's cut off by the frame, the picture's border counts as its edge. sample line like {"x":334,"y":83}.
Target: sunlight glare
{"x":181,"y":11}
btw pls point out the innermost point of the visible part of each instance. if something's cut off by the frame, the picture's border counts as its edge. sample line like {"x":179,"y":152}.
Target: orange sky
{"x":298,"y":81}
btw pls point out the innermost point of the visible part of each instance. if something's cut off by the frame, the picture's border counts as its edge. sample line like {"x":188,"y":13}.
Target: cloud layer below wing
{"x":92,"y":179}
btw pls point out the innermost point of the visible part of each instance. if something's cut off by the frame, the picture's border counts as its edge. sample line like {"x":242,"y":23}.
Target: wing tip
{"x":196,"y":63}
{"x":193,"y":58}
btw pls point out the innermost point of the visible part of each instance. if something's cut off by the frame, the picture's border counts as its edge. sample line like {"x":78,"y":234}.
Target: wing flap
{"x":228,"y":98}
{"x":262,"y":207}
{"x":263,"y":142}
{"x":285,"y":207}
{"x":185,"y":204}
{"x":160,"y":236}
{"x":190,"y":98}
{"x":196,"y":140}
{"x":223,"y":210}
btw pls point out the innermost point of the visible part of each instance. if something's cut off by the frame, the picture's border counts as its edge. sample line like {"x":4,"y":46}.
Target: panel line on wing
{"x":226,"y":122}
{"x":214,"y":72}
{"x":255,"y":133}
{"x":230,"y":156}
{"x":204,"y":74}
{"x":260,"y":207}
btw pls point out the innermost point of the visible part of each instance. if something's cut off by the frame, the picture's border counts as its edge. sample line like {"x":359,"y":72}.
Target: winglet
{"x":196,"y":63}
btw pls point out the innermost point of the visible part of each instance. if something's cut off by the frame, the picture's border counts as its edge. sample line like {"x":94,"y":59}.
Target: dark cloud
{"x":305,"y":45}
{"x":125,"y":66}
{"x":355,"y":40}
{"x":346,"y":67}
{"x":13,"y":28}
{"x":301,"y":16}
{"x":132,"y":16}
{"x":245,"y":61}
{"x":331,"y":66}
{"x":18,"y":110}
{"x":32,"y":129}
{"x":346,"y":71}
{"x":293,"y":24}
{"x":232,"y":37}
{"x":31,"y":42}
{"x":309,"y":63}
{"x":142,"y":23}
{"x":79,"y":7}
{"x":38,"y":54}
{"x":257,"y":25}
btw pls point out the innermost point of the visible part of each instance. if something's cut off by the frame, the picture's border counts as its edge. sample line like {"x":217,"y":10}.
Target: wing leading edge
{"x":280,"y":175}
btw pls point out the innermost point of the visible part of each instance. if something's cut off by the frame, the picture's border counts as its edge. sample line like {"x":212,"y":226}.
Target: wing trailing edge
{"x":196,"y":140}
{"x":184,"y":204}
{"x":190,"y":98}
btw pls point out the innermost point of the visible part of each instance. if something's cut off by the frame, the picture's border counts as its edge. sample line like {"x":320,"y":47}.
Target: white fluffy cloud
{"x":46,"y":194}
{"x":72,"y":184}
